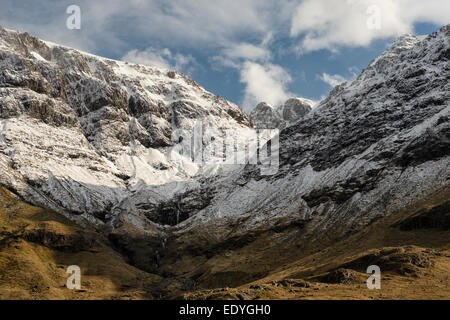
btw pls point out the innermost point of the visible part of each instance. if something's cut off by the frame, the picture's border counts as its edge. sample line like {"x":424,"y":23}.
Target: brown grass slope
{"x":37,"y":246}
{"x":412,"y":247}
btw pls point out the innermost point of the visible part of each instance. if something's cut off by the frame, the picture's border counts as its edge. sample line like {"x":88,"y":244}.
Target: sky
{"x":247,"y":51}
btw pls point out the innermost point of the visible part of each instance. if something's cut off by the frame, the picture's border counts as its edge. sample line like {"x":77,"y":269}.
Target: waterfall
{"x":178,"y":208}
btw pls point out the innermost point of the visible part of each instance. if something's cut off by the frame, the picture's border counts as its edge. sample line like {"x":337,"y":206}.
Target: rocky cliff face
{"x":265,"y":116}
{"x":88,"y":137}
{"x":372,"y":147}
{"x":80,"y":133}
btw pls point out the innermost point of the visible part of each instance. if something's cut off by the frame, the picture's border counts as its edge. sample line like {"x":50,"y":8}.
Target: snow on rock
{"x":265,"y":116}
{"x":89,"y":137}
{"x":80,"y":133}
{"x":373,"y":146}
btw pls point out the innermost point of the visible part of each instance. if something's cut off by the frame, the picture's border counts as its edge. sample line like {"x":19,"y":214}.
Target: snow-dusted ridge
{"x":83,"y":132}
{"x":373,"y":146}
{"x":281,"y":116}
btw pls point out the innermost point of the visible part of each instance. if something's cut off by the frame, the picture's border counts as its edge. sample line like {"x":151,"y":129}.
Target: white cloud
{"x":320,"y":24}
{"x":160,"y":58}
{"x":234,"y":54}
{"x":246,"y":51}
{"x":264,"y":83}
{"x":332,"y":80}
{"x":336,"y":79}
{"x":217,"y":62}
{"x":190,"y":23}
{"x":175,"y":23}
{"x":327,"y":24}
{"x":149,"y":57}
{"x":184,"y":63}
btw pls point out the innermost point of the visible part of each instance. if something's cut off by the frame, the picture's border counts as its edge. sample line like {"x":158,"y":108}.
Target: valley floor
{"x":412,"y":248}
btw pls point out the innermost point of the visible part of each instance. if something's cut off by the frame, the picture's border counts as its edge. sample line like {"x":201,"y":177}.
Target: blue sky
{"x":246,"y":51}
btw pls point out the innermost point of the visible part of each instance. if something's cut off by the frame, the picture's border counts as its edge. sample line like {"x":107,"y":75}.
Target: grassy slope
{"x":274,"y":266}
{"x":30,"y":270}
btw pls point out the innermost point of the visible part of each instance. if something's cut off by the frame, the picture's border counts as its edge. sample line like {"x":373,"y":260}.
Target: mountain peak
{"x":266,"y":116}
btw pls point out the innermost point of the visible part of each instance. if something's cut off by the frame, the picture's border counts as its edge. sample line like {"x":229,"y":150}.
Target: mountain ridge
{"x":292,"y":110}
{"x":372,"y":147}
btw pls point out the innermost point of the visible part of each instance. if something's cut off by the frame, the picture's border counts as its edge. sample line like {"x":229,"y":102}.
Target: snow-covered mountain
{"x":89,"y":137}
{"x":373,"y":146}
{"x":265,"y":116}
{"x":80,"y":133}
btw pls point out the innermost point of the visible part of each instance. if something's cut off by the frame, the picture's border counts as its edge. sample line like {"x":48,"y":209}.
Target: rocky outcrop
{"x":340,"y":275}
{"x":404,"y":261}
{"x":265,"y":116}
{"x":49,"y":236}
{"x":295,"y":109}
{"x":435,"y":218}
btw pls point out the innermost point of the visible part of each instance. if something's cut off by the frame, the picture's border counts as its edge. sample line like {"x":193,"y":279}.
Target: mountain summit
{"x":266,"y":116}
